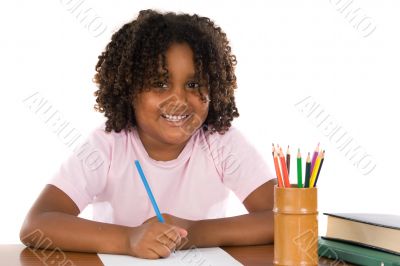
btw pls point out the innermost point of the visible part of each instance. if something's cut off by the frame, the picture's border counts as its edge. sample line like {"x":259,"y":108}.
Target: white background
{"x":286,"y":51}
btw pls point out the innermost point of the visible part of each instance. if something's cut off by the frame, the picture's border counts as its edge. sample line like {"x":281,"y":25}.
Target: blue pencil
{"x":146,"y":185}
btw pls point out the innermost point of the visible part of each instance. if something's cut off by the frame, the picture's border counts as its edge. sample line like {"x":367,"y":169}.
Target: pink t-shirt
{"x":193,"y":186}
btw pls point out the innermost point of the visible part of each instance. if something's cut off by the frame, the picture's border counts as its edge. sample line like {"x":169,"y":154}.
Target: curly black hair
{"x":132,"y":58}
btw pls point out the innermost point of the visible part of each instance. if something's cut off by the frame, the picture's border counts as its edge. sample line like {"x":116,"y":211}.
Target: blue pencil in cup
{"x":146,"y":185}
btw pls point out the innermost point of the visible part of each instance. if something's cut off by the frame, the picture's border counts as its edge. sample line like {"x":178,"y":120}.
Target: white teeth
{"x":175,"y":117}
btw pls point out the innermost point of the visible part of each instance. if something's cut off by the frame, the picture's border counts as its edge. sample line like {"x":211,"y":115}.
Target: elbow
{"x":30,"y":234}
{"x":23,"y":233}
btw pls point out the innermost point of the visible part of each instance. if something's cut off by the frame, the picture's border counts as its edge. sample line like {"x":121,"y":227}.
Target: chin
{"x":177,"y":137}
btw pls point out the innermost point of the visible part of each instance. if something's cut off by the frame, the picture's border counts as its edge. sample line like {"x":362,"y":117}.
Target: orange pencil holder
{"x":295,"y":226}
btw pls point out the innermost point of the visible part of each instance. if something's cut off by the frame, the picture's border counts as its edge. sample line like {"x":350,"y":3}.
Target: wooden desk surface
{"x":15,"y":255}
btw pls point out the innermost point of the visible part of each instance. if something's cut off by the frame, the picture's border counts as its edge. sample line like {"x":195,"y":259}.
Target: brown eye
{"x":193,"y":85}
{"x":160,"y":85}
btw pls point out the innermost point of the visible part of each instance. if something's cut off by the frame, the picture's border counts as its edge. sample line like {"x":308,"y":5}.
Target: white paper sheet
{"x":191,"y":257}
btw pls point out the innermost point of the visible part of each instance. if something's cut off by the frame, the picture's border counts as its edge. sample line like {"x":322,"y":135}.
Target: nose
{"x":176,"y":102}
{"x":180,"y":93}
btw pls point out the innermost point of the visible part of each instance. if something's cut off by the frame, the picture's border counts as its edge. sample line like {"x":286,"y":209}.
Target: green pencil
{"x":299,"y":170}
{"x":308,"y":171}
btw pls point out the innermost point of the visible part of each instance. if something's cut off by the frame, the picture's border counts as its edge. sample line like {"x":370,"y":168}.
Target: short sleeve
{"x":84,"y":174}
{"x":242,"y":166}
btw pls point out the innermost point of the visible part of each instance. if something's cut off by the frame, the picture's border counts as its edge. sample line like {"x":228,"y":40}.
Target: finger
{"x":171,"y":245}
{"x":178,"y":239}
{"x":149,"y":254}
{"x":162,"y":250}
{"x":182,"y":232}
{"x":169,"y":236}
{"x":173,"y":235}
{"x":182,"y":244}
{"x":169,"y":232}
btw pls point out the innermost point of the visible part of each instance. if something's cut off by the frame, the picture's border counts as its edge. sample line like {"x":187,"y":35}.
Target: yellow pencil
{"x":315,"y":170}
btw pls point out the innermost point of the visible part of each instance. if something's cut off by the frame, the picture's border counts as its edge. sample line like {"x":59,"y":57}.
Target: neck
{"x":160,"y":151}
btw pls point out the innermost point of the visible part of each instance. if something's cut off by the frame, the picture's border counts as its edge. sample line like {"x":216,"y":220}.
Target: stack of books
{"x":361,"y":238}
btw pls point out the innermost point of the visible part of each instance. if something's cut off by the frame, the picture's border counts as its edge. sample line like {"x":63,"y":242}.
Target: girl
{"x":166,"y":86}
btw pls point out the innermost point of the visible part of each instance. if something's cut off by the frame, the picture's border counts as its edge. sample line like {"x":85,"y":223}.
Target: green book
{"x":360,"y":255}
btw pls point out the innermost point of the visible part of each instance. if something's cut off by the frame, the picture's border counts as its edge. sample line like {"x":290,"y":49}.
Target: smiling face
{"x":169,"y":113}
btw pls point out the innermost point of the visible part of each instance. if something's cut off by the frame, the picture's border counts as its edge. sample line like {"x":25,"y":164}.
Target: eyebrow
{"x":189,"y":76}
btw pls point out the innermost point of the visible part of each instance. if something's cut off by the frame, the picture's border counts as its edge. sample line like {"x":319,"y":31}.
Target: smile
{"x":175,"y":118}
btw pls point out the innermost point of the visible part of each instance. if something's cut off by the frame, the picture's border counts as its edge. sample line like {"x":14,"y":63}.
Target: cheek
{"x":205,"y":108}
{"x":201,"y":108}
{"x":146,"y":107}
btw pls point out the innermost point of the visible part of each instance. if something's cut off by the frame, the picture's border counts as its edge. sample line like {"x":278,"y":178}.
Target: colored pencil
{"x":278,"y":170}
{"x":314,"y":158}
{"x":284,"y":169}
{"x":315,"y":170}
{"x":299,"y":170}
{"x":320,"y":166}
{"x":149,"y":193}
{"x":308,"y":171}
{"x":288,"y":161}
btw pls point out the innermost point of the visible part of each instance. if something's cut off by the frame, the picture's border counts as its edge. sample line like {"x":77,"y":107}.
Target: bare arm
{"x":52,"y":223}
{"x":254,"y":228}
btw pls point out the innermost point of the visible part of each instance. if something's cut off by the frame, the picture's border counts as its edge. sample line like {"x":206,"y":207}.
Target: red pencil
{"x":288,"y":161}
{"x":284,"y":169}
{"x":278,"y":170}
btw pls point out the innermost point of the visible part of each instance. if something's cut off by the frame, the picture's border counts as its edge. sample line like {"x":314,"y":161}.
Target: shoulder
{"x":232,"y":137}
{"x":100,"y":135}
{"x":105,"y":142}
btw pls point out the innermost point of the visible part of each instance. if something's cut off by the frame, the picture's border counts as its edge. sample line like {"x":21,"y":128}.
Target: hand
{"x":186,"y":242}
{"x":154,"y":240}
{"x":172,"y":220}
